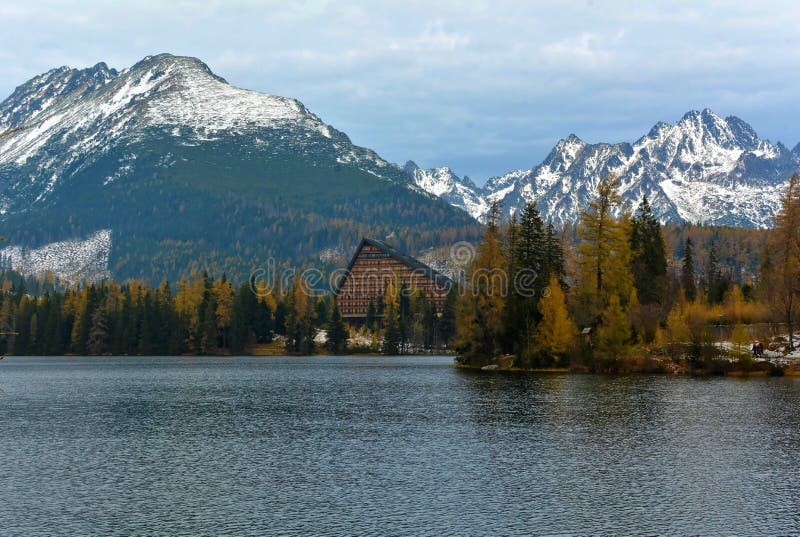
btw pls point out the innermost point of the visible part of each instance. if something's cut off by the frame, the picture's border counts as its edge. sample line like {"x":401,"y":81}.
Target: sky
{"x":484,"y":87}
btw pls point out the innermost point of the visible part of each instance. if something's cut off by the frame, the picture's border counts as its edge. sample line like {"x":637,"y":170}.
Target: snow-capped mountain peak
{"x":442,"y":182}
{"x":66,"y":119}
{"x":703,"y":169}
{"x":184,"y":167}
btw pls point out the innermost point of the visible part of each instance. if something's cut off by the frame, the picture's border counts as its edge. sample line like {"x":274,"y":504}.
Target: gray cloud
{"x":484,"y":87}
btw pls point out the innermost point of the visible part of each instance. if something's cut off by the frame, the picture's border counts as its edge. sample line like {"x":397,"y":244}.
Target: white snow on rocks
{"x":79,"y":259}
{"x":442,"y":182}
{"x":703,"y":169}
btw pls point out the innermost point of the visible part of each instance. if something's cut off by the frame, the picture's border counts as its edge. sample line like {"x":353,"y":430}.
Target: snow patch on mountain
{"x":78,"y":259}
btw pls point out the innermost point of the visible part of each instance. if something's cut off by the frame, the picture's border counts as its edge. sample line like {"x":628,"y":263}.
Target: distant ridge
{"x":703,"y":169}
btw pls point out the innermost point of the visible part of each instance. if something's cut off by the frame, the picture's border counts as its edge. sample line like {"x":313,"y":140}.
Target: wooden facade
{"x":373,"y":266}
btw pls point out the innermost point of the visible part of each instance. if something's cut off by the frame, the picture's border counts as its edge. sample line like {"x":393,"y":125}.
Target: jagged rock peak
{"x":703,"y":168}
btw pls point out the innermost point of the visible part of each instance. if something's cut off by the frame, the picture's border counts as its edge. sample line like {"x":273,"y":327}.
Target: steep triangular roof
{"x":439,"y":278}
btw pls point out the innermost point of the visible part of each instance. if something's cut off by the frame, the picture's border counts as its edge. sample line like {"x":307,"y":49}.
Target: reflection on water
{"x":402,"y":445}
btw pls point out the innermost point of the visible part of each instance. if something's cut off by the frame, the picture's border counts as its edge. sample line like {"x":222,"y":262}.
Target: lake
{"x":402,"y":445}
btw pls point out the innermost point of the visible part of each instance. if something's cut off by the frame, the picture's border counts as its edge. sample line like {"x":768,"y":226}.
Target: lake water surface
{"x":406,"y":445}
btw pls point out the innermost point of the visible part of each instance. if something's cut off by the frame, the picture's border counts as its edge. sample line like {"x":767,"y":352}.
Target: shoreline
{"x":582,"y":370}
{"x":773,"y":371}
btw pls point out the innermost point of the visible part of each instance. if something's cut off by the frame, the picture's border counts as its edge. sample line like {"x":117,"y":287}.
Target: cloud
{"x":584,"y":51}
{"x":481,"y":86}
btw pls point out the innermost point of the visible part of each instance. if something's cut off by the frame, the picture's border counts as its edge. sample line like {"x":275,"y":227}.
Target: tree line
{"x":202,"y":315}
{"x":613,"y":287}
{"x":606,"y":296}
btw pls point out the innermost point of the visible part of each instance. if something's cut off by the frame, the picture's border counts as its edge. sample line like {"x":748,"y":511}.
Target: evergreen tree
{"x":554,"y":255}
{"x":83,"y":319}
{"x":98,"y":338}
{"x":614,"y":332}
{"x":206,"y":328}
{"x":241,"y":334}
{"x":26,"y":324}
{"x":281,"y":312}
{"x":712,"y":274}
{"x":430,"y":323}
{"x":514,"y":301}
{"x":405,"y":312}
{"x":372,"y":317}
{"x":148,"y":326}
{"x":688,"y":281}
{"x":320,"y":312}
{"x":528,"y":278}
{"x":649,"y":258}
{"x":7,"y":324}
{"x":447,"y":321}
{"x":337,"y":331}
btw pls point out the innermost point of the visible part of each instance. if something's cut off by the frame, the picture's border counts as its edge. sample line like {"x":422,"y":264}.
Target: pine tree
{"x":98,"y":338}
{"x":244,"y":306}
{"x":447,"y":321}
{"x":337,"y":331}
{"x":430,"y":323}
{"x":688,"y":281}
{"x":405,"y":311}
{"x":528,"y":279}
{"x":372,"y":317}
{"x":7,"y":324}
{"x":635,"y":317}
{"x":148,"y":326}
{"x":206,"y":329}
{"x":649,"y":259}
{"x":555,"y":255}
{"x":321,"y":308}
{"x":614,"y":333}
{"x":714,"y":286}
{"x":514,"y":301}
{"x":34,"y":330}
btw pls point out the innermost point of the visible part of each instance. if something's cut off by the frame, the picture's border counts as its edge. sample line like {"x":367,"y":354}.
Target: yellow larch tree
{"x":556,"y":332}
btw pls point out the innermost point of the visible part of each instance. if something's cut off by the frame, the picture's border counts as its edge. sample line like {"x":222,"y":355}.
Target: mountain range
{"x":164,"y":167}
{"x":703,"y":169}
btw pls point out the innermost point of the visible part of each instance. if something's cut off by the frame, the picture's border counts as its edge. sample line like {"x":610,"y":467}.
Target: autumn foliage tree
{"x":479,"y":318}
{"x":604,"y":253}
{"x":783,"y":280}
{"x":556,"y":332}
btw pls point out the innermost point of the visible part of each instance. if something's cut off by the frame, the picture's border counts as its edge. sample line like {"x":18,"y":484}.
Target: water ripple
{"x":343,"y":446}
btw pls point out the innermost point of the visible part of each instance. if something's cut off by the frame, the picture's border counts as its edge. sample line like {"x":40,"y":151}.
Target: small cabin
{"x":370,"y":270}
